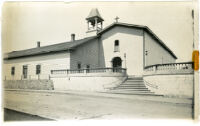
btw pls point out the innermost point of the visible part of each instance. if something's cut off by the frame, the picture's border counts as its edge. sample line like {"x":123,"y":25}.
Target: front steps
{"x":133,"y":85}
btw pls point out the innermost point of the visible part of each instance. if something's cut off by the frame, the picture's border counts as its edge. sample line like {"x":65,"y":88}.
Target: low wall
{"x":87,"y":82}
{"x":29,"y":77}
{"x":177,"y":85}
{"x":29,"y":84}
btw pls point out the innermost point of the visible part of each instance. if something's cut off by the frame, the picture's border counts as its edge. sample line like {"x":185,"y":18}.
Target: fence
{"x":94,"y":70}
{"x":184,"y":67}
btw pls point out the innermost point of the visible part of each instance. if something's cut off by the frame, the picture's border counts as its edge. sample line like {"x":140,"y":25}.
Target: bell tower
{"x":94,"y":22}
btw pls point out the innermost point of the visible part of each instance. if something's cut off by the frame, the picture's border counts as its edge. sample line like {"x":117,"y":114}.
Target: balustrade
{"x":94,"y":70}
{"x":171,"y":67}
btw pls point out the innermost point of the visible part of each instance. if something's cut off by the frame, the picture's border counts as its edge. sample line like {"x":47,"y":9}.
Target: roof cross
{"x":116,"y":19}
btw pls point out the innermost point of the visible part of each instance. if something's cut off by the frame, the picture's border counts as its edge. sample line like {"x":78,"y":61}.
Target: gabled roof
{"x":65,"y":46}
{"x":140,"y":27}
{"x":94,"y":13}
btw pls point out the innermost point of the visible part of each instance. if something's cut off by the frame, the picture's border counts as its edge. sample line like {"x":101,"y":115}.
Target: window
{"x":12,"y":70}
{"x":38,"y":69}
{"x":116,"y":46}
{"x":25,"y":71}
{"x":87,"y":68}
{"x":79,"y":66}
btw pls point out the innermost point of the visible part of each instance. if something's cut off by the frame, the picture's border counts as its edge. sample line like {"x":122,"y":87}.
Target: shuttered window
{"x":79,"y":65}
{"x":38,"y":69}
{"x":12,"y":70}
{"x":116,"y":46}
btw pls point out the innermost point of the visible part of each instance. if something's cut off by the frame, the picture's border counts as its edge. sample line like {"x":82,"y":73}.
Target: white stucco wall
{"x":47,"y":62}
{"x":86,"y":54}
{"x":156,"y":53}
{"x":171,"y":85}
{"x":88,"y":82}
{"x":130,"y":42}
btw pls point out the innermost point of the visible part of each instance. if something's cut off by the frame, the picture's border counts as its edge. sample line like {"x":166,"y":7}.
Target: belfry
{"x":121,"y":58}
{"x":94,"y":21}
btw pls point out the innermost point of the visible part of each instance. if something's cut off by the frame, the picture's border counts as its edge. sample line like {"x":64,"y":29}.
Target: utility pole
{"x":146,"y":53}
{"x":125,"y":59}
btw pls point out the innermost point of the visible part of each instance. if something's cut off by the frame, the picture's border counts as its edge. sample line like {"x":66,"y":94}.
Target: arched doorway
{"x":116,"y":62}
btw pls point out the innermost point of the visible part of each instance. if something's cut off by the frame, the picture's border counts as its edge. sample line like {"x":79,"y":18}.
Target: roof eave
{"x":142,"y":27}
{"x":43,"y":53}
{"x":160,"y":41}
{"x":88,"y":18}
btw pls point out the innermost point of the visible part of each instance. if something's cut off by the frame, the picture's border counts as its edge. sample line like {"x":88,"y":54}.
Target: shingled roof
{"x":65,"y":46}
{"x":140,"y":27}
{"x":94,"y":13}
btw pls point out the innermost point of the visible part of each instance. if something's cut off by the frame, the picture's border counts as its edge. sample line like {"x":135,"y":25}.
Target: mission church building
{"x":119,"y":45}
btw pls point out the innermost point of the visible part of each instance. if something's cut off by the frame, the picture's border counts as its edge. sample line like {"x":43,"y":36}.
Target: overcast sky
{"x":53,"y":22}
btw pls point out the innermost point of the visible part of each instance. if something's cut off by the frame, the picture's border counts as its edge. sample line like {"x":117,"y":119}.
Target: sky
{"x":25,"y":23}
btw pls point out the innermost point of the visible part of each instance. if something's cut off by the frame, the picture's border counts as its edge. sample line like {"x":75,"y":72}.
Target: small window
{"x":25,"y":71}
{"x":79,"y":66}
{"x":12,"y":70}
{"x":116,"y":46}
{"x":38,"y":69}
{"x":88,"y":66}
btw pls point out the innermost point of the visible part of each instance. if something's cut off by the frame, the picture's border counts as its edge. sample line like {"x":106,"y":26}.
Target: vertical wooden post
{"x":88,"y":25}
{"x":96,"y":23}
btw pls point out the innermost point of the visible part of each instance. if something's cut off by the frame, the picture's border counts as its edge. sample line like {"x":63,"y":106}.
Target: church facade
{"x":119,"y":45}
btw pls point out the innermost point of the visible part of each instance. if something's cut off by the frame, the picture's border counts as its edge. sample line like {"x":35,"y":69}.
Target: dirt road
{"x":70,"y":106}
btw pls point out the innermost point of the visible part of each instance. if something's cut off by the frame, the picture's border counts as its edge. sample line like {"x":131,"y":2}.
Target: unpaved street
{"x":60,"y":106}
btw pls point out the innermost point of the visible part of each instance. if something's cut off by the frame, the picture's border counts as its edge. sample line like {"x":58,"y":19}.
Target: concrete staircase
{"x":133,"y":85}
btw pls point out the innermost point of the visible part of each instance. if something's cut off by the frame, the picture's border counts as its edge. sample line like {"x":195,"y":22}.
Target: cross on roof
{"x":117,"y":18}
